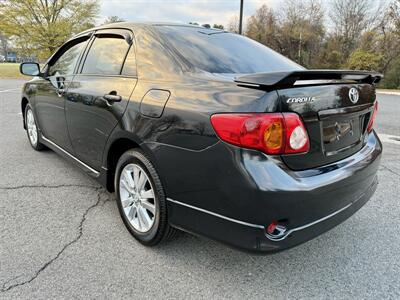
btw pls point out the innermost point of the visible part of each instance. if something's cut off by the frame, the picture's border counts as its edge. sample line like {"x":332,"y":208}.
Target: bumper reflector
{"x":276,"y":229}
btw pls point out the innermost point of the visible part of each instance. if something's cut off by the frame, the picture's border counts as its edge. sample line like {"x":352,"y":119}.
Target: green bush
{"x":362,"y":60}
{"x":392,"y":77}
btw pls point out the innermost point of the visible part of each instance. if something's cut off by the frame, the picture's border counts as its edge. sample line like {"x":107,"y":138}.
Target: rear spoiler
{"x":274,"y":80}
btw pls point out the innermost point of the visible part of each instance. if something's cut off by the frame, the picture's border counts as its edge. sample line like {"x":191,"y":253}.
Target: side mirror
{"x":30,"y":69}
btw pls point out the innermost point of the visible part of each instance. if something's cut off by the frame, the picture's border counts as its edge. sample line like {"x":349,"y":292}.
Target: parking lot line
{"x":387,"y":138}
{"x":9,"y":90}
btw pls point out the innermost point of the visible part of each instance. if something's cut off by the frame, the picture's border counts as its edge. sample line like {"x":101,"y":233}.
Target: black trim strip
{"x":96,"y":173}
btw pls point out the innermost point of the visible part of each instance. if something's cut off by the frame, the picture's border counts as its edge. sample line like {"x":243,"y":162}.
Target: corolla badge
{"x":354,"y":95}
{"x":301,"y":100}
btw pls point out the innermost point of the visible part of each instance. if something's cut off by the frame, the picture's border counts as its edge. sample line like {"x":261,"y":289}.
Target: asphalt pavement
{"x":62,"y":237}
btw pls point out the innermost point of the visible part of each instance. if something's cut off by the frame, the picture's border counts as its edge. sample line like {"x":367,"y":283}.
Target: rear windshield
{"x":217,"y":51}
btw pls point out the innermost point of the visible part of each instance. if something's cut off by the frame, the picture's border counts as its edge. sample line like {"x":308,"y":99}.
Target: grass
{"x":11,"y":70}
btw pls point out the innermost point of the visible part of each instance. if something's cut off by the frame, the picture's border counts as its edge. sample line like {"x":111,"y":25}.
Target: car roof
{"x":133,"y":25}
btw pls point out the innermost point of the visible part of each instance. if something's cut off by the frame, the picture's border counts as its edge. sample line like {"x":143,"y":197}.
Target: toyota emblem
{"x":354,"y":95}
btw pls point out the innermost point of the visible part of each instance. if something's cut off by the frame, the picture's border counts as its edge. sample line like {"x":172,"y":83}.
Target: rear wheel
{"x":32,"y":129}
{"x":141,"y":199}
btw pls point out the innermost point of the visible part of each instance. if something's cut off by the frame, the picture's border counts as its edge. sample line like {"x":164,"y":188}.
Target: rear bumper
{"x":252,"y":237}
{"x":234,"y":197}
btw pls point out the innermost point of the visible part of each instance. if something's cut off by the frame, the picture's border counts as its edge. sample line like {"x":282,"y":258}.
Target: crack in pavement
{"x":98,"y":203}
{"x":46,"y":186}
{"x":390,"y":170}
{"x":99,"y":191}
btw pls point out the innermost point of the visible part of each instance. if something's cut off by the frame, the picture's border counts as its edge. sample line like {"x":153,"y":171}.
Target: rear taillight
{"x":272,"y":133}
{"x":372,"y":119}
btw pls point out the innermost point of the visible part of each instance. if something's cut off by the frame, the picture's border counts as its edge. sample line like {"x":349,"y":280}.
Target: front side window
{"x":106,"y":56}
{"x":66,"y":63}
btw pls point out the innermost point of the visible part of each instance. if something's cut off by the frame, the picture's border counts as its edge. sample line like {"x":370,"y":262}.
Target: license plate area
{"x":341,"y":132}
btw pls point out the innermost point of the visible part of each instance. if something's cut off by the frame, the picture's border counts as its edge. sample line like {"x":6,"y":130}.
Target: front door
{"x":50,"y":97}
{"x":99,"y":94}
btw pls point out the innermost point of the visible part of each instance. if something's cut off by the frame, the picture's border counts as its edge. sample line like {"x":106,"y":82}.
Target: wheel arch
{"x":118,"y":144}
{"x":24,"y":103}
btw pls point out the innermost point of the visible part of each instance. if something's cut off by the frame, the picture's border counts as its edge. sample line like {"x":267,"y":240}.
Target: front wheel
{"x":32,"y":129}
{"x":141,"y":199}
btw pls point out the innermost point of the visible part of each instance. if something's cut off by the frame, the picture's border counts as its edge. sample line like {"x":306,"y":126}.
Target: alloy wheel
{"x":137,"y":197}
{"x":31,"y":126}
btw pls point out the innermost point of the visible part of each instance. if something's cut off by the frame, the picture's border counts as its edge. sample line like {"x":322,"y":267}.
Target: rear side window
{"x":129,"y":68}
{"x":217,"y":51}
{"x":106,"y":56}
{"x":66,"y":63}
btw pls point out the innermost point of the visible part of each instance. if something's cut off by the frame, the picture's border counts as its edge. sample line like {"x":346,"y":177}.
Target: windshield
{"x":217,"y":51}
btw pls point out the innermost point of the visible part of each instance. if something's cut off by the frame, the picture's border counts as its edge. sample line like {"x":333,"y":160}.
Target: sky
{"x":200,"y":11}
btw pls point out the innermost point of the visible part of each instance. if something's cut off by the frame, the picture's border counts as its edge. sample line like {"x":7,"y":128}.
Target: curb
{"x":388,"y":93}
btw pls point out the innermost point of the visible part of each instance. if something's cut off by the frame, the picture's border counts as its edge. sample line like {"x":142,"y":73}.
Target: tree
{"x":233,"y":24}
{"x":389,"y":45}
{"x":382,"y":39}
{"x":263,"y":27}
{"x":218,"y":26}
{"x":330,"y":55}
{"x":351,"y":18}
{"x":302,"y":30}
{"x":394,"y":15}
{"x":113,"y":19}
{"x":392,"y":77}
{"x":41,"y":26}
{"x":360,"y":35}
{"x":3,"y":44}
{"x":297,"y":32}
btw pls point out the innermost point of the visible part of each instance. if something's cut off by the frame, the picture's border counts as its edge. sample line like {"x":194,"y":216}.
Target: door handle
{"x":111,"y":98}
{"x":60,"y":92}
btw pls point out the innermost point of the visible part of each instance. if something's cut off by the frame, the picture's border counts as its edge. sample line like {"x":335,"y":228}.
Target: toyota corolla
{"x":208,"y":132}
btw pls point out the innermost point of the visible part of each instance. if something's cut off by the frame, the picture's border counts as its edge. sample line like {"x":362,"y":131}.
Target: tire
{"x":144,"y":216}
{"x":32,"y":129}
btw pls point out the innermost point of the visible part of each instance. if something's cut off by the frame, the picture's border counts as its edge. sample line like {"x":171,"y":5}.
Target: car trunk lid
{"x":336,"y":126}
{"x":335,"y":111}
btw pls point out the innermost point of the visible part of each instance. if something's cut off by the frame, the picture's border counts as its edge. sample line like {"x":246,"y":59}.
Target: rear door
{"x":100,"y":92}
